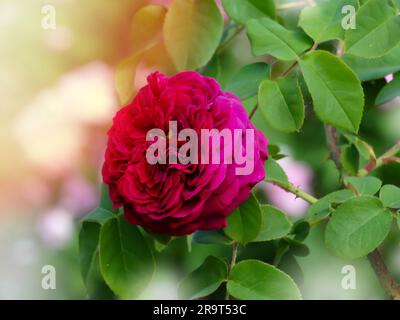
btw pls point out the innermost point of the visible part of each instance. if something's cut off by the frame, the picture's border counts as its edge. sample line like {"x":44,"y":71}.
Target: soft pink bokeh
{"x":56,"y":227}
{"x":301,"y":176}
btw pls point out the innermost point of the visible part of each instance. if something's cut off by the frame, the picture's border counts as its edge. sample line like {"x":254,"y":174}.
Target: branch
{"x":378,"y":264}
{"x":253,"y":111}
{"x":387,"y":157}
{"x":232,"y":264}
{"x":331,"y":141}
{"x":289,"y":187}
{"x":385,"y":278}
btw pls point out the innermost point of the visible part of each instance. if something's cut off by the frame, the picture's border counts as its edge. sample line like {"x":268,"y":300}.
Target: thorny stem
{"x":232,"y":264}
{"x":332,"y":143}
{"x":378,"y":264}
{"x":289,"y":187}
{"x":385,"y":278}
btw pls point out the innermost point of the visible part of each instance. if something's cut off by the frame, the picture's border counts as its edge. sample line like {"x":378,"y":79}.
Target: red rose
{"x":176,"y":198}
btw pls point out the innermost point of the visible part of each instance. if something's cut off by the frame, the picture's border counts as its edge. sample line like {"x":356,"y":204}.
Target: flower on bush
{"x":178,"y":199}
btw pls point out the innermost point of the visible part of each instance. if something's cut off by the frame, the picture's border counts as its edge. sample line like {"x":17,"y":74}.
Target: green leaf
{"x":336,"y":92}
{"x":211,"y":237}
{"x":243,"y":10}
{"x":246,"y":81}
{"x":357,"y":227}
{"x":301,"y":230}
{"x":364,"y":185}
{"x":377,"y":32}
{"x":364,"y":149}
{"x":390,"y":196}
{"x":126,"y":261}
{"x":274,"y":171}
{"x":88,"y":247}
{"x":99,"y":215}
{"x":323,"y":22}
{"x":204,"y":280}
{"x":146,"y":27}
{"x":389,"y":91}
{"x":159,"y":237}
{"x":125,"y":74}
{"x":370,"y":69}
{"x":244,"y":224}
{"x":275,"y":224}
{"x":321,"y":209}
{"x":296,"y":247}
{"x":269,"y":37}
{"x":89,"y":261}
{"x":256,"y":280}
{"x":350,"y":159}
{"x":192,"y":31}
{"x":281,"y":103}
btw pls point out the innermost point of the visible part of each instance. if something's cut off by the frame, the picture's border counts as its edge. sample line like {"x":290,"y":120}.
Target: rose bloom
{"x":178,"y":199}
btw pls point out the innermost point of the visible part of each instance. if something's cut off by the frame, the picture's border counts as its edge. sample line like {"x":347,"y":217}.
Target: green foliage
{"x":389,"y":91}
{"x":323,"y":22}
{"x":189,"y":43}
{"x":88,"y":247}
{"x":390,"y":196}
{"x":253,"y":279}
{"x":281,"y":103}
{"x":246,"y":81}
{"x":323,"y":207}
{"x":118,"y":258}
{"x":350,"y":159}
{"x":363,"y":185}
{"x":275,"y":224}
{"x":126,"y":261}
{"x":244,"y":224}
{"x":336,"y":92}
{"x":243,"y":10}
{"x":369,"y":69}
{"x":269,"y":37}
{"x":204,"y":280}
{"x":377,"y":31}
{"x":357,"y":227}
{"x":275,"y":171}
{"x":213,"y":236}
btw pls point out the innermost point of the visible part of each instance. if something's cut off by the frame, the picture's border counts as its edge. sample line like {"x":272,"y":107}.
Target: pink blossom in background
{"x":300,"y":175}
{"x":35,"y":192}
{"x":56,"y":227}
{"x":78,"y":196}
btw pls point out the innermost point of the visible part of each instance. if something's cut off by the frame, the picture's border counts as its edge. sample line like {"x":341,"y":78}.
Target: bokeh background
{"x":57,"y":101}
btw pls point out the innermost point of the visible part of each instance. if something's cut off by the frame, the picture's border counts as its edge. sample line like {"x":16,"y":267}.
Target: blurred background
{"x":57,"y":102}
